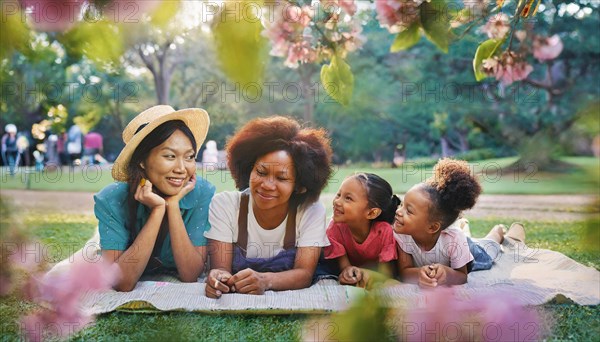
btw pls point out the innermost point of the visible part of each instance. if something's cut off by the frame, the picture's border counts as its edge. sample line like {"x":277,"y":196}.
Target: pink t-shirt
{"x":93,"y":140}
{"x":451,"y":249}
{"x":379,"y":246}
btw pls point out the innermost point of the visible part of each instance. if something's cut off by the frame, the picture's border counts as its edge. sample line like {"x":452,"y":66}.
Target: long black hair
{"x":135,"y":171}
{"x":379,"y":195}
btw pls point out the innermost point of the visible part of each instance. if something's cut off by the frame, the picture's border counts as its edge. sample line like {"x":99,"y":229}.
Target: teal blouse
{"x":112,"y":214}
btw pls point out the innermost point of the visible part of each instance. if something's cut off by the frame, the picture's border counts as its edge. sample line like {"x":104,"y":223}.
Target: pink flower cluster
{"x":310,"y":34}
{"x":547,"y":48}
{"x":490,"y":316}
{"x":61,"y":293}
{"x":397,"y":15}
{"x":61,"y":15}
{"x":497,"y":26}
{"x":507,"y":68}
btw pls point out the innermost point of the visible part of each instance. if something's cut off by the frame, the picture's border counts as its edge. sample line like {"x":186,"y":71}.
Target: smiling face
{"x":272,"y":181}
{"x":170,"y":165}
{"x":351,"y":204}
{"x":412,"y":216}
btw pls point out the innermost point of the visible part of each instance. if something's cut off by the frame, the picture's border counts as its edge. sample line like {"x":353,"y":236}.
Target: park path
{"x":521,"y":207}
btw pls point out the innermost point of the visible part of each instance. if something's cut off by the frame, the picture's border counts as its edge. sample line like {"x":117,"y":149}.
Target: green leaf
{"x":164,"y":12}
{"x":99,"y":41}
{"x":338,"y":80}
{"x":406,"y":38}
{"x":239,"y":43}
{"x":15,"y":34}
{"x":436,"y":23}
{"x":484,"y":51}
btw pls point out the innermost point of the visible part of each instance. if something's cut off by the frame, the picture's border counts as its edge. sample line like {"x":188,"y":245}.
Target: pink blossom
{"x":53,"y":15}
{"x":302,"y":16}
{"x":448,"y":315}
{"x":348,"y":6}
{"x":521,"y":35}
{"x":507,"y":69}
{"x":397,"y":15}
{"x":547,"y":48}
{"x":300,"y":52}
{"x":27,"y":257}
{"x":61,"y":292}
{"x":497,"y":26}
{"x":332,"y":5}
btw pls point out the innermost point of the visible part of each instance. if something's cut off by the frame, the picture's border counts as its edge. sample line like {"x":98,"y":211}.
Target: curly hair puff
{"x":452,"y":189}
{"x":309,"y":148}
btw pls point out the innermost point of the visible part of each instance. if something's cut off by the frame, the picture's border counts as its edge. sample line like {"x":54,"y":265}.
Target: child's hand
{"x":351,"y":275}
{"x":427,"y":276}
{"x":216,"y":283}
{"x":440,"y":273}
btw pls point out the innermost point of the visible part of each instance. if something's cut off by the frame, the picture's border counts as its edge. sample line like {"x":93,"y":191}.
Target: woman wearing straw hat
{"x":269,"y":235}
{"x":153,"y":219}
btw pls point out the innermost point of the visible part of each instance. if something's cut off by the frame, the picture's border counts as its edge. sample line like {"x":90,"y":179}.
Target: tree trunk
{"x":306,"y":71}
{"x":464,"y":143}
{"x":445,"y":147}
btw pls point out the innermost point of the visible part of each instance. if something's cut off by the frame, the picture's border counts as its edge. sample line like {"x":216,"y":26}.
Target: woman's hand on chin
{"x":249,"y":281}
{"x":146,"y":196}
{"x":191,"y":184}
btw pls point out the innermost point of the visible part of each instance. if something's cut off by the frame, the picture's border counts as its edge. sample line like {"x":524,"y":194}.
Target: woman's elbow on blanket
{"x":125,"y":287}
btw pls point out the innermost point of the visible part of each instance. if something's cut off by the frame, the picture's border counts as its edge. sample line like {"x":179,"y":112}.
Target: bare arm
{"x":133,"y":260}
{"x":408,"y":273}
{"x":221,"y":258}
{"x":189,"y":259}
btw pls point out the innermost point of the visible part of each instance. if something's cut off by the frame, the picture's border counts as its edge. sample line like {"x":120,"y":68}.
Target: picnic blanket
{"x":534,"y":276}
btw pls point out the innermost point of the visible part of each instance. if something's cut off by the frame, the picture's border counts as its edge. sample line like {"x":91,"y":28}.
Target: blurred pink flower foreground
{"x":493,"y":316}
{"x":61,"y":293}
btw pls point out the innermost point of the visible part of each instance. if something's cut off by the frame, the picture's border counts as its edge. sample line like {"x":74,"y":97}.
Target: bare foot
{"x":496,"y":234}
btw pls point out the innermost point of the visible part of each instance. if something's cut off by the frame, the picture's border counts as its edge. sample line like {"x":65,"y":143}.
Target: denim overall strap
{"x":289,"y":240}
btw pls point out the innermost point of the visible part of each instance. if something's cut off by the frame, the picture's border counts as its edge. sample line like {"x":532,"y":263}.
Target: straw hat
{"x":195,"y":118}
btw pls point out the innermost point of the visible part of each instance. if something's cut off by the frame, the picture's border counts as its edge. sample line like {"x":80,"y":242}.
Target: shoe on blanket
{"x":516,"y":232}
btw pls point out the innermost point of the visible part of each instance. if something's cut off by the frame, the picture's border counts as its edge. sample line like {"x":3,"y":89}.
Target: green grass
{"x":568,"y":322}
{"x":493,"y":174}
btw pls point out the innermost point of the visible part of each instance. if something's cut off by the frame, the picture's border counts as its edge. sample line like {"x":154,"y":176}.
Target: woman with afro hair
{"x":269,"y":234}
{"x":434,"y":250}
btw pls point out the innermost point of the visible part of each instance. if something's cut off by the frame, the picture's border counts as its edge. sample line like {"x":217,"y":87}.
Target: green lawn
{"x":64,"y":233}
{"x":496,"y":179}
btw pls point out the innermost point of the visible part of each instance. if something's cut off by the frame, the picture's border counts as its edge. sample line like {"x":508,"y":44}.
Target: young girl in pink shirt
{"x":433,"y":249}
{"x":360,"y":232}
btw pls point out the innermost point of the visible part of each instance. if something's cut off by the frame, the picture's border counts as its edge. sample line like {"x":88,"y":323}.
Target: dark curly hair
{"x":380,"y":195}
{"x":309,"y":148}
{"x":451,"y":189}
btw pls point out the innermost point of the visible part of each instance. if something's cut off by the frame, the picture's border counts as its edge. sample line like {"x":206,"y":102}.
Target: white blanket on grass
{"x":535,"y":276}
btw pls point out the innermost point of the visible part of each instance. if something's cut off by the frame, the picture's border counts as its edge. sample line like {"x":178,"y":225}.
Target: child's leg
{"x":496,"y":233}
